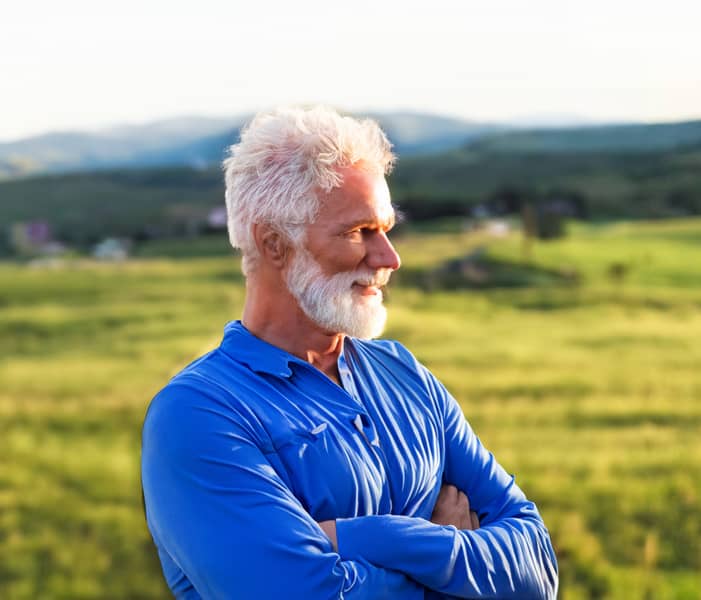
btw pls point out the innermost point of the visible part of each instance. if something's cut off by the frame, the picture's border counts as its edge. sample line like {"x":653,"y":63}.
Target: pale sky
{"x":83,"y":64}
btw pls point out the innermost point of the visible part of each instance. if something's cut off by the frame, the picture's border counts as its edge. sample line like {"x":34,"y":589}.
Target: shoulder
{"x":392,"y":354}
{"x":207,"y":397}
{"x":388,"y":349}
{"x":400,"y":365}
{"x":200,"y":382}
{"x":395,"y":363}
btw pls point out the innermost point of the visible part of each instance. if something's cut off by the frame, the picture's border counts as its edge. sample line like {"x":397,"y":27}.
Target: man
{"x":300,"y":459}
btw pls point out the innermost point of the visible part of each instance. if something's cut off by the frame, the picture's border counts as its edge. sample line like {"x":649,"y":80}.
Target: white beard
{"x":332,"y":303}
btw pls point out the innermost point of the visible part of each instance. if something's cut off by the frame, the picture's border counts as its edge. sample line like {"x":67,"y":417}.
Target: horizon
{"x":526,"y":122}
{"x":80,"y":66}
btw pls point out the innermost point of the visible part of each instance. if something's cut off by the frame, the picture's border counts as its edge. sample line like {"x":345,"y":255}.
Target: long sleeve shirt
{"x":249,"y":447}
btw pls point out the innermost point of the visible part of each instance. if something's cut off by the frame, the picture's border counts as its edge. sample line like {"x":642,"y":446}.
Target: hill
{"x":81,"y":208}
{"x":202,"y":142}
{"x":199,"y":142}
{"x":656,"y":137}
{"x":187,"y":141}
{"x":604,"y":184}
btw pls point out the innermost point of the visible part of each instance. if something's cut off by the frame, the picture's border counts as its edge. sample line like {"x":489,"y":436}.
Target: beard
{"x":332,"y":302}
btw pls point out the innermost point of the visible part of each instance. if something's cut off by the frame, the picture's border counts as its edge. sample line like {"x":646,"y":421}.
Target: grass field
{"x":587,"y":387}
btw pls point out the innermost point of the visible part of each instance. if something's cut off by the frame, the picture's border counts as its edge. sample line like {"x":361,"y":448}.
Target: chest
{"x":346,"y":454}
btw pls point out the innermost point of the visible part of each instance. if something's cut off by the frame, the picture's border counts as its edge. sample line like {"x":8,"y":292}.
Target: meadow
{"x":578,"y":365}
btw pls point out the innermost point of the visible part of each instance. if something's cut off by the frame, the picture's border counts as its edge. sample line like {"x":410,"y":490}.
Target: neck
{"x":272,"y":314}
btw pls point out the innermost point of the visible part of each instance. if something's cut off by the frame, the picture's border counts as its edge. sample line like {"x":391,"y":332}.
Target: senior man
{"x":301,"y":459}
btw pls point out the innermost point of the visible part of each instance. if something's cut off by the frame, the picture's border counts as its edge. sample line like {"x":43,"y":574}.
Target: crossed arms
{"x":507,"y":554}
{"x":226,"y":525}
{"x":452,"y":508}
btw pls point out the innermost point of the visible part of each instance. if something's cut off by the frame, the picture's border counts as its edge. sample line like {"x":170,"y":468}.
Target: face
{"x":347,"y":258}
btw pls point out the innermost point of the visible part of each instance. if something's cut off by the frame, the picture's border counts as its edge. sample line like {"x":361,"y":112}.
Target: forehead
{"x":363,"y":197}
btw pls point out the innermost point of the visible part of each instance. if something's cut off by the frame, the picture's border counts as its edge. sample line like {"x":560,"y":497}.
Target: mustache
{"x":379,"y":278}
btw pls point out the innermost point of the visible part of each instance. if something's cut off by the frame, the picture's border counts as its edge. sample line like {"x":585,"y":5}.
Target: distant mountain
{"x":199,"y":142}
{"x":189,"y":141}
{"x":601,"y":138}
{"x":420,"y":133}
{"x":554,"y":121}
{"x":202,"y":142}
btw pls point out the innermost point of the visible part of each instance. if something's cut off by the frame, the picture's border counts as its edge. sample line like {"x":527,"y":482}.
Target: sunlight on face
{"x":383,"y":201}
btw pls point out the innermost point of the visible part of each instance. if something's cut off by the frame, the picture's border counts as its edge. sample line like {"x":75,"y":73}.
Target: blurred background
{"x":550,"y":173}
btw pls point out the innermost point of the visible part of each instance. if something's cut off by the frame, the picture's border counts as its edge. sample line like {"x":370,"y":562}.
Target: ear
{"x":272,"y":246}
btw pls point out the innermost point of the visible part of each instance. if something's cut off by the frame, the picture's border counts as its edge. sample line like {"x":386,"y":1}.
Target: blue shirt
{"x":248,"y":447}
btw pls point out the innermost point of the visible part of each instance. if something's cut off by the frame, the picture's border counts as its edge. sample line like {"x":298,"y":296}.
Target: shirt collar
{"x":257,"y":354}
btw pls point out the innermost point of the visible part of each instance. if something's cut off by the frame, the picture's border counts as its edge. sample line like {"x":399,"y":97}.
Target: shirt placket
{"x":362,"y":421}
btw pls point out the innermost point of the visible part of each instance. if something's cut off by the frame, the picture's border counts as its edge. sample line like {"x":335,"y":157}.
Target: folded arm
{"x":509,"y":556}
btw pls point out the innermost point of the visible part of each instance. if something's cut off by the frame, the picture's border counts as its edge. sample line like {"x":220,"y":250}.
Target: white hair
{"x":283,"y":159}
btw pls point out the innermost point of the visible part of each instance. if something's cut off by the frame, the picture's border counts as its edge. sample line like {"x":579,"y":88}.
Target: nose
{"x":381,"y":253}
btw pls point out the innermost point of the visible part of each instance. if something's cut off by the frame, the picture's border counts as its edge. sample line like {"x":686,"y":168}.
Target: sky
{"x":83,"y":64}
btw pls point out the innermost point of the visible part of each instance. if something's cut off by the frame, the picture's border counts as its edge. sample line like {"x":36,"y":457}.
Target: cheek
{"x":352,"y":256}
{"x":345,"y":257}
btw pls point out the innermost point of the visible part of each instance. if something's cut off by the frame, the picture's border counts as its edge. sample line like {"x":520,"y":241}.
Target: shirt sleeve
{"x":509,"y":556}
{"x":216,"y":507}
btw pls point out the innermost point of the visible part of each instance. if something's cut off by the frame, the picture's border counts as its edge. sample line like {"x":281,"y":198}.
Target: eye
{"x":363,"y":231}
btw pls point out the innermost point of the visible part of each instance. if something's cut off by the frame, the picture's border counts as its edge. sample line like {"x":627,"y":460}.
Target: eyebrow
{"x":388,"y":223}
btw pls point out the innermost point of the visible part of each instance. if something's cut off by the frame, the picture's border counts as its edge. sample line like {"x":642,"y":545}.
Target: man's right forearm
{"x":509,"y":559}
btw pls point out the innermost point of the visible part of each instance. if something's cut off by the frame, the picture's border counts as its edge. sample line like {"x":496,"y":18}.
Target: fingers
{"x":453,"y":508}
{"x":463,"y":502}
{"x":449,"y":492}
{"x":329,"y":528}
{"x":463,"y":505}
{"x":470,"y":519}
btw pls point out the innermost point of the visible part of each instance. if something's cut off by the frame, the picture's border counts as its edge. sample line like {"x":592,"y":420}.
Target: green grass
{"x":587,"y":392}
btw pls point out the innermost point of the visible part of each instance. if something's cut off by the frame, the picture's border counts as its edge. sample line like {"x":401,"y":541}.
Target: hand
{"x":329,"y":528}
{"x":453,"y":508}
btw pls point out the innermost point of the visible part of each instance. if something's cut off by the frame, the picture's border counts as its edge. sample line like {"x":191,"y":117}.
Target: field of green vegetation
{"x":577,"y":361}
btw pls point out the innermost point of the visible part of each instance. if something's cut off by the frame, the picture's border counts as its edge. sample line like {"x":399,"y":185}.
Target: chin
{"x":336,"y":304}
{"x":366,"y":326}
